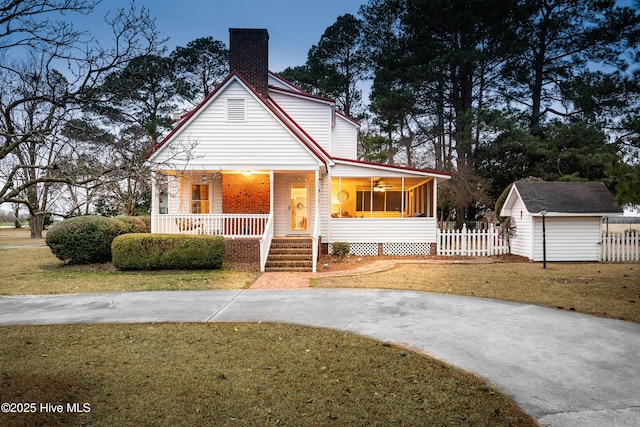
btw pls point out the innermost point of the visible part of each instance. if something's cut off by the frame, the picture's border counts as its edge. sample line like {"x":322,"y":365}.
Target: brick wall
{"x":245,"y":251}
{"x":246,"y":194}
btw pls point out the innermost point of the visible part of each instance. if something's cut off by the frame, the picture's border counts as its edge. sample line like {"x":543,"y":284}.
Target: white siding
{"x":355,"y":170}
{"x":313,"y":116}
{"x":344,"y":139}
{"x":210,"y":141}
{"x":216,"y":188}
{"x":281,"y":205}
{"x":174,"y":195}
{"x":568,"y":238}
{"x":522,"y":243}
{"x":325,"y":206}
{"x":382,"y":230}
{"x":281,"y":210}
{"x":274,"y":81}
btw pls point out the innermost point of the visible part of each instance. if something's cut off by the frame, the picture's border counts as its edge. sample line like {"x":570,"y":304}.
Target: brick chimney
{"x":249,"y":56}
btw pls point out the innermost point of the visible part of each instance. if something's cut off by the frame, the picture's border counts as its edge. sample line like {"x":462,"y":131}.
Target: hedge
{"x":84,"y":239}
{"x":135,"y":224}
{"x":167,"y":251}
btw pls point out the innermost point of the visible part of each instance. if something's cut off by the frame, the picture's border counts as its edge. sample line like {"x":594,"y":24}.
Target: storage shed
{"x":573,"y":220}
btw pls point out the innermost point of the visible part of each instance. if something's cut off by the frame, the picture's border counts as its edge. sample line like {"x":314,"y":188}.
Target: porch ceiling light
{"x":246,"y":172}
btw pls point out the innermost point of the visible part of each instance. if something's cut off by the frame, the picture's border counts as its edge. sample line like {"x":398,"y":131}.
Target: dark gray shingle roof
{"x":567,"y":197}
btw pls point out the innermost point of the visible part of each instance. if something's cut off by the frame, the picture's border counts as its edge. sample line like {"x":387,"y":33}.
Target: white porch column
{"x":154,"y":202}
{"x":435,"y":199}
{"x":271,"y":192}
{"x":316,"y":187}
{"x":329,"y":185}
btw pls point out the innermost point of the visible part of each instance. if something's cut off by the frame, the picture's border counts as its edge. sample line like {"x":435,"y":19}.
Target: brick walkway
{"x":282,"y":281}
{"x":287,"y":280}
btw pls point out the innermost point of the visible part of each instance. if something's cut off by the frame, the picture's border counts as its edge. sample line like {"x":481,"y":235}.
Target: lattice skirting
{"x":361,"y":249}
{"x":406,"y":249}
{"x":400,"y":249}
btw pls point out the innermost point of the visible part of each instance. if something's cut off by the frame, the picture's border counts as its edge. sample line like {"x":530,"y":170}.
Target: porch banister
{"x":265,"y":242}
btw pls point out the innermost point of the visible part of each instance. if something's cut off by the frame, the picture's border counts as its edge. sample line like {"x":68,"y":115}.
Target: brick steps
{"x":290,"y":254}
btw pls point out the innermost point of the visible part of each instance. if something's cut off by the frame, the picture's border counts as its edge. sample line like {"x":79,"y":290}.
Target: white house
{"x":573,"y":219}
{"x":266,"y":165}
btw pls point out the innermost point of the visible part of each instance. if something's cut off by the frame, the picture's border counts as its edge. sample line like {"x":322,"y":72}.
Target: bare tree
{"x":49,"y":72}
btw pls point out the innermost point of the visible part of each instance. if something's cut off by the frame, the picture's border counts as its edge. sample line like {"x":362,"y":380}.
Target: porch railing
{"x":226,"y":225}
{"x":265,"y":243}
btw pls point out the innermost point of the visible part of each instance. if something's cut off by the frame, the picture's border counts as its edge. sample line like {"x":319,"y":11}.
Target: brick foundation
{"x":245,"y":251}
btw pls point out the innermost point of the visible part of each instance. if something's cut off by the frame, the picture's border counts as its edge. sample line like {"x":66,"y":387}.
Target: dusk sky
{"x":293,"y":25}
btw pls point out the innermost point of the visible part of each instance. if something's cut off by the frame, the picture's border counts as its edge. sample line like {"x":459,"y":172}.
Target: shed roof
{"x":567,"y":197}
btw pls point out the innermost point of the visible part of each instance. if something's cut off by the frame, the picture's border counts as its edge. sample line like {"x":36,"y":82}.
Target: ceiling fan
{"x":380,"y":186}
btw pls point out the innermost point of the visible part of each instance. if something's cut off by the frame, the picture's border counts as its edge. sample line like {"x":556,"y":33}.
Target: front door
{"x":299,"y":208}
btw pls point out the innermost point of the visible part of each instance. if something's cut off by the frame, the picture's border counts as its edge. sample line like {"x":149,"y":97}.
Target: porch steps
{"x":290,"y":254}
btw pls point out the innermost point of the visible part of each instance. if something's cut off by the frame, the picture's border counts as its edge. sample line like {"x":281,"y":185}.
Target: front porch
{"x":240,"y":205}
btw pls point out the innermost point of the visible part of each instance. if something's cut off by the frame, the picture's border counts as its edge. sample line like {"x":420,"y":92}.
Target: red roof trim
{"x":343,"y":115}
{"x":302,"y":94}
{"x":407,"y":168}
{"x":287,"y":82}
{"x":315,"y":146}
{"x":279,"y":113}
{"x":189,"y":115}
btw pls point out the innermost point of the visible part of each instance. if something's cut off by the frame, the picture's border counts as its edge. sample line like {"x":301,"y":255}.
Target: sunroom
{"x":383,"y":210}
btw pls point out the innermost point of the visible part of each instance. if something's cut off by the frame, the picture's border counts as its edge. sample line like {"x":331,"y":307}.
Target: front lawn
{"x":600,"y":289}
{"x":224,"y":374}
{"x":35,"y":271}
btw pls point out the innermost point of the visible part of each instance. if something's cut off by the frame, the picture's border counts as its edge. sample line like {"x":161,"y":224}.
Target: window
{"x":236,"y":110}
{"x":388,"y":197}
{"x":385,"y":201}
{"x":199,"y":198}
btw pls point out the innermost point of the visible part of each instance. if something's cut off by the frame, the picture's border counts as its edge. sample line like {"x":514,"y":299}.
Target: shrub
{"x":84,"y":239}
{"x":167,"y":251}
{"x":147,"y":221}
{"x":135,"y":224}
{"x":340,"y":249}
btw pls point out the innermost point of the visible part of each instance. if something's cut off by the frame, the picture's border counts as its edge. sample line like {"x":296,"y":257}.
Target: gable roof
{"x":580,"y":198}
{"x":289,"y":123}
{"x":280,"y":115}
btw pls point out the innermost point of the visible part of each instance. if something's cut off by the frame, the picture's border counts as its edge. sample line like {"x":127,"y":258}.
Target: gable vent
{"x":236,"y":110}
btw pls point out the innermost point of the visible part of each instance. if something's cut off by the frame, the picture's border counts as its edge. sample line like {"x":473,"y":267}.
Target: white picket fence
{"x":620,"y":247}
{"x":471,"y":242}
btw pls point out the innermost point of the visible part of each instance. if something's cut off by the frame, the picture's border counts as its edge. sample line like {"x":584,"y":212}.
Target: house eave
{"x":402,"y":170}
{"x":575,"y":214}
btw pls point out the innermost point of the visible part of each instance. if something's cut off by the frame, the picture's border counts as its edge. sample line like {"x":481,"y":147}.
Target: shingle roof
{"x":567,"y":197}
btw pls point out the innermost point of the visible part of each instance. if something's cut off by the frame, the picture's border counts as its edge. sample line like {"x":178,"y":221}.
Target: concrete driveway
{"x":563,"y":368}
